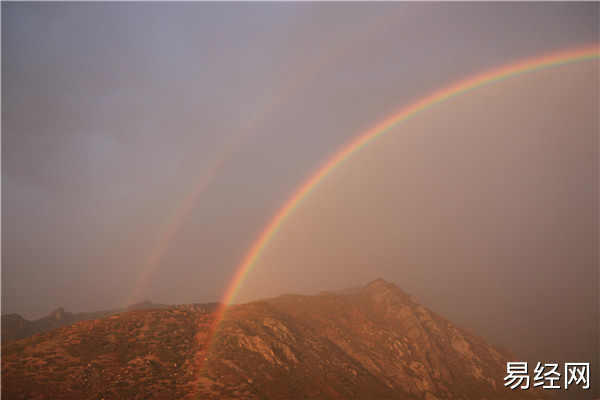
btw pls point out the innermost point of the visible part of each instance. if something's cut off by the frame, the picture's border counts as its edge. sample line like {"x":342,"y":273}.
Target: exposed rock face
{"x":375,"y":343}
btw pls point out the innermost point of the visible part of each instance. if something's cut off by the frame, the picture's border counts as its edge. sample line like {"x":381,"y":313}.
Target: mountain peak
{"x":58,"y":314}
{"x":380,"y":286}
{"x":387,"y":292}
{"x":380,"y":283}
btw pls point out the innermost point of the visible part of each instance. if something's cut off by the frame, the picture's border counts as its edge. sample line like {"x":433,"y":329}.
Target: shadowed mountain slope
{"x":377,"y":343}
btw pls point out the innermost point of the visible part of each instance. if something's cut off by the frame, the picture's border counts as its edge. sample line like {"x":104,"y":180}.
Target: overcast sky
{"x":113,"y":114}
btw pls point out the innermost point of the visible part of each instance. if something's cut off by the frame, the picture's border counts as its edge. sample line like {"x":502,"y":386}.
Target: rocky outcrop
{"x":377,"y":342}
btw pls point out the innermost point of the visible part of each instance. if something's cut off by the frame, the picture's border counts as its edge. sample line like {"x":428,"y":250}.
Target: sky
{"x":145,"y":146}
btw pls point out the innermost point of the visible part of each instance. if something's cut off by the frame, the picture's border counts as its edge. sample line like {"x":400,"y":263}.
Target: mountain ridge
{"x":376,"y":343}
{"x":15,"y":326}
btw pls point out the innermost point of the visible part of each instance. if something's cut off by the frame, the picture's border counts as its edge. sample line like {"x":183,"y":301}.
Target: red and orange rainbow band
{"x":485,"y":79}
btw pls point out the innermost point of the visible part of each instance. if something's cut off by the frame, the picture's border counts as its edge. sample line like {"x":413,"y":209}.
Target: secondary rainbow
{"x":178,"y":217}
{"x":587,"y":53}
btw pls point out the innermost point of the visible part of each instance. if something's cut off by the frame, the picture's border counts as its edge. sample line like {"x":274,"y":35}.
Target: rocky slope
{"x":375,"y":343}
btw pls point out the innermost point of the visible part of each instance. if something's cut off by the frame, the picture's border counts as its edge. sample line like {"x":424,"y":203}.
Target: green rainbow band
{"x":522,"y":67}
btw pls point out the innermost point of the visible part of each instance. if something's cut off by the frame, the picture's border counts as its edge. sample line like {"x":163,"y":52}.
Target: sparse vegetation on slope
{"x":375,"y":343}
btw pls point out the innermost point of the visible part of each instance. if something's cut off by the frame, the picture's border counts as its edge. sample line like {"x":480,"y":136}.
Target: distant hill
{"x":15,"y":327}
{"x":377,"y":343}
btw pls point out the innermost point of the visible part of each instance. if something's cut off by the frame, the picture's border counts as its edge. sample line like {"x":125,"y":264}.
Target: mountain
{"x":15,"y":327}
{"x":378,"y":342}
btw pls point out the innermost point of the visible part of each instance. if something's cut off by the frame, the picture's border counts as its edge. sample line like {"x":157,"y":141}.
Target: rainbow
{"x":178,"y":217}
{"x":488,"y":78}
{"x":587,"y":53}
